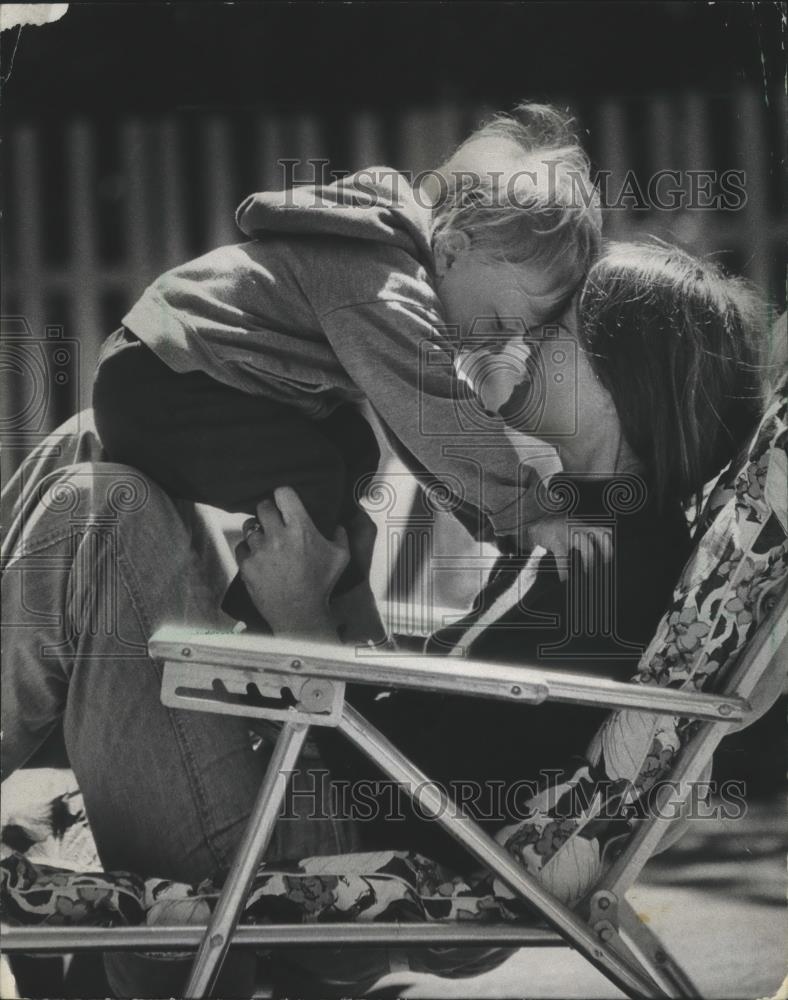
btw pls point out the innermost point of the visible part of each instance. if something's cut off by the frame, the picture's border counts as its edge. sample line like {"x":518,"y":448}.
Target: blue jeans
{"x":103,"y":559}
{"x":97,"y":558}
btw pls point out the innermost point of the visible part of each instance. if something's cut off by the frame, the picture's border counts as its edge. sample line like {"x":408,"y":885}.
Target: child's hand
{"x":289,"y":568}
{"x":589,"y":542}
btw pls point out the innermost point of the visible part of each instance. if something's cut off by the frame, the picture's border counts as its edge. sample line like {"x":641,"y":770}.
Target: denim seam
{"x":131,"y":583}
{"x":34,"y":547}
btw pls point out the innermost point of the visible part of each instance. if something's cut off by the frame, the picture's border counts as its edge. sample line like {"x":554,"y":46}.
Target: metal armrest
{"x":247,"y":658}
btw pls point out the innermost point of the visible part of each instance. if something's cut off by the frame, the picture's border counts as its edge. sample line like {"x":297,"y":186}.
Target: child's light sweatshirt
{"x":333,"y":300}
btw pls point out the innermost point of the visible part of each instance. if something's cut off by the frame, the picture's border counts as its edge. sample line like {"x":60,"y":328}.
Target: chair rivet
{"x":296,"y":664}
{"x":606,"y":934}
{"x":186,"y":651}
{"x":517,"y":690}
{"x":725,"y":709}
{"x":217,"y":940}
{"x":604,"y":903}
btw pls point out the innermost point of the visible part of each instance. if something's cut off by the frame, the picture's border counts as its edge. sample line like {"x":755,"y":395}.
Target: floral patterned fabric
{"x":385,"y":885}
{"x":43,"y":817}
{"x":581,"y":821}
{"x":45,"y":836}
{"x":577,"y":824}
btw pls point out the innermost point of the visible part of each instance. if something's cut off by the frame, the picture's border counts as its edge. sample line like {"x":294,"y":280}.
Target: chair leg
{"x":218,"y":934}
{"x":654,"y":955}
{"x":633,"y":981}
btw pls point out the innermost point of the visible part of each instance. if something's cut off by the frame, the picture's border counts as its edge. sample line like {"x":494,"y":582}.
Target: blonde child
{"x":243,"y":370}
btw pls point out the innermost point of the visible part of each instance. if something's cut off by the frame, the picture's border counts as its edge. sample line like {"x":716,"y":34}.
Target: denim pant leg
{"x":106,"y":559}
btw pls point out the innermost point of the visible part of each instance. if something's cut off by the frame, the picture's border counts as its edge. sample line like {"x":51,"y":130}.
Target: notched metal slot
{"x":227,"y":690}
{"x":253,"y":697}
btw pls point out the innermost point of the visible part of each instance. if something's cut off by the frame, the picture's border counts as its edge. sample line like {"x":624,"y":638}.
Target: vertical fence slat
{"x":173,"y":208}
{"x":698,"y":156}
{"x":426,"y":137}
{"x":267,"y":153}
{"x":661,"y":137}
{"x":86,"y":288}
{"x":751,"y":148}
{"x":23,"y":392}
{"x":366,"y":142}
{"x":28,"y":223}
{"x":140,"y":248}
{"x":613,"y":158}
{"x":218,"y":200}
{"x":309,"y":145}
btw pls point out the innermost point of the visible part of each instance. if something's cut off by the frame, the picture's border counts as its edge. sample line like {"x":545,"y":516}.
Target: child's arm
{"x":392,"y":351}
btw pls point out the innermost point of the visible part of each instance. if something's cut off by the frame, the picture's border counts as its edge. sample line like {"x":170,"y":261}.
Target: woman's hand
{"x":289,"y":568}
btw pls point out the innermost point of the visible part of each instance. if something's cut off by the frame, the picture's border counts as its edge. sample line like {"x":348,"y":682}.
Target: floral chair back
{"x":582,"y":820}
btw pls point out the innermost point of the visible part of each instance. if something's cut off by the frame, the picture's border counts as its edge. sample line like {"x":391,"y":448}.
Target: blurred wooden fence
{"x":94,"y":210}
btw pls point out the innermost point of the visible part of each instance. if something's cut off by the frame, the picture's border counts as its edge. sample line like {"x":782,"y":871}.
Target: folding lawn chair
{"x":716,"y":663}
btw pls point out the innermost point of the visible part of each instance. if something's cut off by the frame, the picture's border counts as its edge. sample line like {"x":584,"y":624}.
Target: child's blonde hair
{"x":538,"y":206}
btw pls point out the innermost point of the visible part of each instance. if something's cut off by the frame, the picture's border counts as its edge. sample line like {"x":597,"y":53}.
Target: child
{"x":242,"y":370}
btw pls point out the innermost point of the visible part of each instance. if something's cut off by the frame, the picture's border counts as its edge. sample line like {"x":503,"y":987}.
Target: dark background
{"x":331,"y":56}
{"x":133,"y":129}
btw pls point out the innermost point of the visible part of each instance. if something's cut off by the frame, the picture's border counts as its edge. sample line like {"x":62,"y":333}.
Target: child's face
{"x":492,"y":304}
{"x":474,"y":290}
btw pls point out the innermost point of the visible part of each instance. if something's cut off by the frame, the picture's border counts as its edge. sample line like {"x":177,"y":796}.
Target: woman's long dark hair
{"x":678,"y":345}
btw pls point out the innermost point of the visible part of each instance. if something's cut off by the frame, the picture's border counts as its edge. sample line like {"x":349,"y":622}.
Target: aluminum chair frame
{"x":213,"y":671}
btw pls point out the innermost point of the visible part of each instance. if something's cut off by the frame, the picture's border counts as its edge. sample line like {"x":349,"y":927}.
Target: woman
{"x":667,"y":393}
